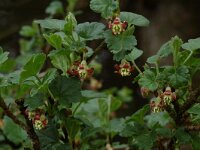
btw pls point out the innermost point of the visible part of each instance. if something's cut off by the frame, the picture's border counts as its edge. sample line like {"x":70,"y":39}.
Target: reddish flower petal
{"x":117,"y":67}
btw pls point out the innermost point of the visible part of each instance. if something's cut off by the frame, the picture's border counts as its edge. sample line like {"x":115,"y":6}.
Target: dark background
{"x":168,"y":18}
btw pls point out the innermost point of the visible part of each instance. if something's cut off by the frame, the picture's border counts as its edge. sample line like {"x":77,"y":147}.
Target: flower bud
{"x":144,"y":92}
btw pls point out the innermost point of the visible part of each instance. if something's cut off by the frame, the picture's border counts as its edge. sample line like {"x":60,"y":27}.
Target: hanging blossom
{"x":157,"y":105}
{"x":168,"y":96}
{"x":80,"y":70}
{"x":117,"y":26}
{"x":124,"y":69}
{"x":163,"y":100}
{"x":38,"y":119}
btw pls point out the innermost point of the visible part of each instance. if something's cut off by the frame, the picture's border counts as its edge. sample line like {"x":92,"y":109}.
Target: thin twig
{"x":191,"y":100}
{"x":11,"y":115}
{"x":29,"y":129}
{"x":96,"y":51}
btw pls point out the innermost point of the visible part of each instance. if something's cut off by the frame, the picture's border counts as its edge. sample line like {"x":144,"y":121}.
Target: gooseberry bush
{"x":50,"y":99}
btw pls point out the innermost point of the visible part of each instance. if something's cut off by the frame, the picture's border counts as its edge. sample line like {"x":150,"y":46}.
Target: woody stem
{"x":136,"y":67}
{"x":96,"y":51}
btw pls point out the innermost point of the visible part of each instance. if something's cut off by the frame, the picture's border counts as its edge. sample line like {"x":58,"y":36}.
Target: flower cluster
{"x":38,"y":119}
{"x":164,"y":99}
{"x":124,"y":69}
{"x":81,"y":70}
{"x":157,"y":105}
{"x":117,"y":26}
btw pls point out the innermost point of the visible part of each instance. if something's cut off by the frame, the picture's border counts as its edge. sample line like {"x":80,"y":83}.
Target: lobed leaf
{"x":192,"y":44}
{"x":33,"y":66}
{"x":117,"y":43}
{"x":135,"y":53}
{"x":148,"y":80}
{"x":3,"y":56}
{"x":134,"y":19}
{"x":105,"y":7}
{"x":90,"y":31}
{"x":54,"y":40}
{"x":66,"y":90}
{"x":53,"y":24}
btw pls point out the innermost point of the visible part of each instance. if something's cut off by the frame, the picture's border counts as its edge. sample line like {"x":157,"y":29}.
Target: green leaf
{"x":90,"y":31}
{"x":33,"y":66}
{"x":116,"y":125}
{"x":132,"y":129}
{"x":55,"y":8}
{"x":164,"y":132}
{"x":54,"y":40}
{"x":93,"y":94}
{"x":115,"y":104}
{"x":195,"y":142}
{"x":103,"y":107}
{"x":61,"y":59}
{"x":11,"y":78}
{"x":105,"y":7}
{"x":49,"y":136}
{"x":148,"y":80}
{"x":90,"y":132}
{"x":135,"y":53}
{"x":192,"y":44}
{"x":161,"y":118}
{"x":66,"y":90}
{"x":27,"y":31}
{"x":71,"y":23}
{"x":54,"y":24}
{"x":34,"y":102}
{"x":117,"y":43}
{"x":195,"y":110}
{"x":144,"y":141}
{"x":125,"y":94}
{"x":13,"y":132}
{"x":177,"y":77}
{"x":165,"y":50}
{"x":134,"y":19}
{"x":3,"y":56}
{"x":8,"y":66}
{"x":120,"y":55}
{"x":182,"y":136}
{"x":138,"y":116}
{"x":49,"y":76}
{"x":153,"y":59}
{"x":73,"y":127}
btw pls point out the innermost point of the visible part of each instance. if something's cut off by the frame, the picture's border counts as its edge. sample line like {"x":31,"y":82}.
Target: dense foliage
{"x":50,"y":99}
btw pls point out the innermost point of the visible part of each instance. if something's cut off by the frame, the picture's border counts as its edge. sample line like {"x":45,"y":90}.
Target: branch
{"x":96,"y":51}
{"x":192,"y":128}
{"x":29,"y":129}
{"x":191,"y":100}
{"x":11,"y":115}
{"x":180,"y":110}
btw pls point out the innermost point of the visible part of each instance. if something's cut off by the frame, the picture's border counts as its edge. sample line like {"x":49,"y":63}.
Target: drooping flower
{"x":117,"y":26}
{"x":156,"y":105}
{"x":80,"y":70}
{"x":38,"y":119}
{"x":168,"y":96}
{"x":124,"y":69}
